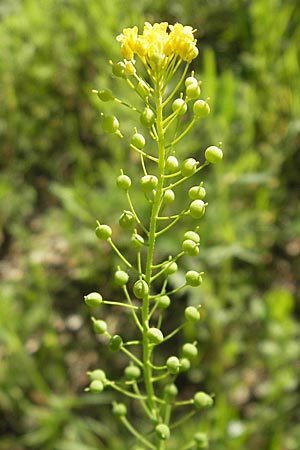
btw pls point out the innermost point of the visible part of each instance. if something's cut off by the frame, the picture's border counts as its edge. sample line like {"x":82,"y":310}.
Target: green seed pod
{"x":162,"y":431}
{"x":189,"y":167}
{"x":155,"y":336}
{"x":105,"y":95}
{"x":132,"y":372}
{"x":148,"y":183}
{"x":127,"y":220}
{"x":143,"y":89}
{"x":193,"y":90}
{"x":147,"y":117}
{"x":138,"y":141}
{"x":121,"y":277}
{"x":93,"y":299}
{"x":197,"y":193}
{"x":103,"y":232}
{"x":201,"y":108}
{"x":170,"y":391}
{"x":190,"y":247}
{"x":123,"y":182}
{"x":97,"y":374}
{"x":192,"y":235}
{"x":170,"y":267}
{"x":140,"y":289}
{"x":118,"y":70}
{"x":110,"y":124}
{"x":201,"y":441}
{"x":191,"y":314}
{"x":99,"y":326}
{"x":193,"y":278}
{"x":202,"y":400}
{"x":115,"y":343}
{"x":190,"y":80}
{"x":173,"y":365}
{"x":119,"y":409}
{"x":172,"y":163}
{"x":137,"y":240}
{"x":213,"y":154}
{"x":169,"y":197}
{"x":163,"y":302}
{"x":185,"y":364}
{"x":96,"y":386}
{"x":179,"y":106}
{"x":197,"y":209}
{"x":189,"y":350}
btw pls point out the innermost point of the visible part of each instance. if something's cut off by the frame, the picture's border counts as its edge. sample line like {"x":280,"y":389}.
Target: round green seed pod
{"x":93,"y":299}
{"x":110,"y":124}
{"x":138,"y":141}
{"x":137,"y":240}
{"x":162,"y":431}
{"x":127,"y":220}
{"x":132,"y":372}
{"x":193,"y":278}
{"x":119,"y":409}
{"x":213,"y":154}
{"x":197,"y":193}
{"x":172,"y":163}
{"x":170,"y":391}
{"x":191,"y":314}
{"x":96,"y":386}
{"x":155,"y":336}
{"x":118,"y":70}
{"x":202,"y":400}
{"x":190,"y":80}
{"x":163,"y":302}
{"x":105,"y":95}
{"x":103,"y":232}
{"x":124,"y":182}
{"x":169,"y":197}
{"x":173,"y":365}
{"x":148,"y":183}
{"x":121,"y":277}
{"x":201,"y":441}
{"x":99,"y":326}
{"x":189,"y":167}
{"x":197,"y":209}
{"x":97,"y":374}
{"x":185,"y":364}
{"x":193,"y":90}
{"x":201,"y":108}
{"x":140,"y":289}
{"x":192,"y":235}
{"x":170,"y":267}
{"x":189,"y":350}
{"x":190,"y":247}
{"x":147,"y":117}
{"x":179,"y":106}
{"x":115,"y":343}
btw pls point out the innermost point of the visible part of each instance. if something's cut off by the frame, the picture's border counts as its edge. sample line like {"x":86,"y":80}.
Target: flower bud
{"x":123,"y":182}
{"x":96,"y":386}
{"x":115,"y":343}
{"x":202,"y":400}
{"x":99,"y":326}
{"x":193,"y":278}
{"x":173,"y":365}
{"x":197,"y":192}
{"x":132,"y":372}
{"x":201,"y":108}
{"x":147,"y":117}
{"x":163,"y":302}
{"x":213,"y":154}
{"x":127,"y":220}
{"x":155,"y":336}
{"x":103,"y":232}
{"x":189,"y":167}
{"x":179,"y":106}
{"x":197,"y":209}
{"x":192,"y":235}
{"x":148,"y":183}
{"x":110,"y":124}
{"x":172,"y":163}
{"x":93,"y":299}
{"x":119,"y":409}
{"x":138,"y":141}
{"x":162,"y":431}
{"x":140,"y":289}
{"x":121,"y":277}
{"x":105,"y":95}
{"x":190,"y":247}
{"x":189,"y":350}
{"x":191,"y":314}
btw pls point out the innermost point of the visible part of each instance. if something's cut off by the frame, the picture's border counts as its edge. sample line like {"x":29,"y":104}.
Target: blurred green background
{"x":58,"y":170}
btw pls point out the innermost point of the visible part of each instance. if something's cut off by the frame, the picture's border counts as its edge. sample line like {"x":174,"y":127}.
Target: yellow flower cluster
{"x":159,"y":40}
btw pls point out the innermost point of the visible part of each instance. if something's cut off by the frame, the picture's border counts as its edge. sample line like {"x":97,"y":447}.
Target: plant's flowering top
{"x":159,"y":41}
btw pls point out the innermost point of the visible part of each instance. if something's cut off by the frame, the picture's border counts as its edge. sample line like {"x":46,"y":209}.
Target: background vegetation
{"x":57,"y":172}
